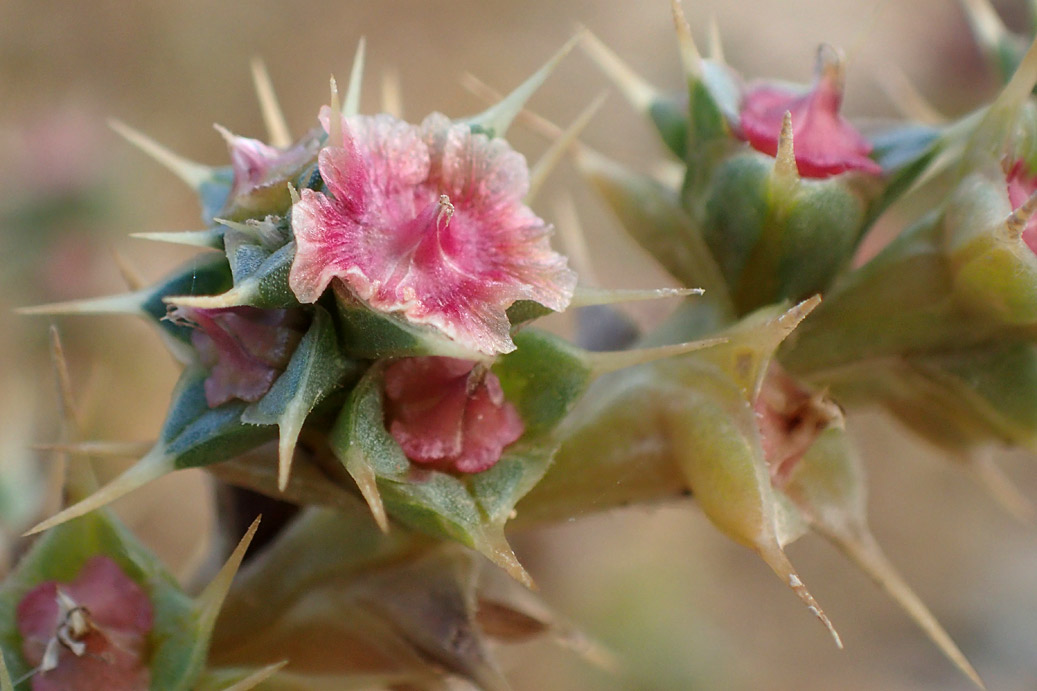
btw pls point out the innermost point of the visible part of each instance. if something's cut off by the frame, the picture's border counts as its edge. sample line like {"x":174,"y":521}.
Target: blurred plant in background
{"x":357,"y":329}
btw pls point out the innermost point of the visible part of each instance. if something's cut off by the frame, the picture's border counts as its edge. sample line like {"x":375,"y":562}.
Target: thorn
{"x":293,"y":194}
{"x":287,"y":438}
{"x":494,"y":546}
{"x":716,"y":46}
{"x":335,"y":120}
{"x":545,"y":166}
{"x":785,"y":161}
{"x":258,"y":677}
{"x":775,"y":558}
{"x":906,"y":97}
{"x":868,"y":555}
{"x":392,"y":94}
{"x":211,"y":598}
{"x":634,"y":88}
{"x":585,"y":296}
{"x":1016,"y":222}
{"x":537,"y":123}
{"x":356,"y":77}
{"x":211,"y":238}
{"x":364,"y":476}
{"x":690,"y":56}
{"x":796,"y":314}
{"x":497,"y":118}
{"x":98,"y":448}
{"x":130,"y":276}
{"x":124,"y":303}
{"x":605,"y":362}
{"x":193,"y":174}
{"x":999,"y":488}
{"x":237,"y":296}
{"x":273,"y":116}
{"x":573,"y":239}
{"x":153,"y":466}
{"x":985,"y":23}
{"x":69,"y":411}
{"x":5,"y":676}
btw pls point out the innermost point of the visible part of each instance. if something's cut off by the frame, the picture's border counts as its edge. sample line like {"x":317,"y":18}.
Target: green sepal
{"x":713,"y":101}
{"x":905,"y":153}
{"x":60,"y":555}
{"x":316,"y":369}
{"x":213,"y":191}
{"x":369,"y":334}
{"x":670,"y":118}
{"x":523,"y":312}
{"x":542,"y":378}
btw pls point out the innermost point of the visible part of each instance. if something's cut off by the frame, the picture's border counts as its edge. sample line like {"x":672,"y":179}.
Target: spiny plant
{"x":359,"y":331}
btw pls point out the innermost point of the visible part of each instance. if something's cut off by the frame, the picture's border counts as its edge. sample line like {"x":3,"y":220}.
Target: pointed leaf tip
{"x":273,"y":116}
{"x":549,"y":160}
{"x":191,"y":173}
{"x":351,"y":106}
{"x":5,"y":676}
{"x":153,"y":466}
{"x":605,"y":362}
{"x":125,"y":303}
{"x":497,"y":118}
{"x":691,"y":58}
{"x":775,"y":558}
{"x":640,"y":93}
{"x":211,"y":599}
{"x":258,"y":677}
{"x":1016,"y":222}
{"x":785,"y":160}
{"x":868,"y":555}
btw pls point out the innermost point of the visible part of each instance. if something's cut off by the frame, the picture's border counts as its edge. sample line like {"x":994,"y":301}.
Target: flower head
{"x":427,"y":222}
{"x":449,"y":414}
{"x":90,"y":634}
{"x":246,"y":348}
{"x":826,"y":144}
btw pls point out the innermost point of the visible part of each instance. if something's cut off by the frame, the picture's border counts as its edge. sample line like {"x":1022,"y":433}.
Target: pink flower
{"x":825,"y":143}
{"x":246,"y":348}
{"x":449,"y":414}
{"x":257,"y":165}
{"x":427,"y":222}
{"x":90,"y":634}
{"x":789,"y":418}
{"x":1021,"y":185}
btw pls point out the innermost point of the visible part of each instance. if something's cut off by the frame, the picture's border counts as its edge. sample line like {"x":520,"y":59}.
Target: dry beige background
{"x":685,"y":608}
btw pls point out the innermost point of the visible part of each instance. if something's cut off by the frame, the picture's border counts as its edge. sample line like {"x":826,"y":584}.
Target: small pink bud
{"x":90,"y":634}
{"x":825,"y":143}
{"x":1021,"y":186}
{"x":246,"y":348}
{"x":256,"y":165}
{"x":449,"y":414}
{"x":428,"y":222}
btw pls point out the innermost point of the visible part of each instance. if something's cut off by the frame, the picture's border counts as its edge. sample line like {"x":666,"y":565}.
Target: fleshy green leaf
{"x":542,"y":378}
{"x":317,"y":368}
{"x":264,"y":286}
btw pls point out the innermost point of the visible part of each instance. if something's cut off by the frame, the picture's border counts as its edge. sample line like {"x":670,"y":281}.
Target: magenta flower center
{"x":449,"y":414}
{"x":90,"y":634}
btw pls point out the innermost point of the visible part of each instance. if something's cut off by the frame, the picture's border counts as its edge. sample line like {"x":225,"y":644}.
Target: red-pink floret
{"x":1021,"y":186}
{"x":427,"y":222}
{"x":825,"y":143}
{"x":447,"y":414}
{"x":246,"y":348}
{"x":256,"y":164}
{"x":115,"y":649}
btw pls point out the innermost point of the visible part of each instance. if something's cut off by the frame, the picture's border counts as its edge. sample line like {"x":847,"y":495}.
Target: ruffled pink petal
{"x":1021,"y":186}
{"x":427,"y":223}
{"x":444,"y":415}
{"x":116,"y":646}
{"x":825,"y":143}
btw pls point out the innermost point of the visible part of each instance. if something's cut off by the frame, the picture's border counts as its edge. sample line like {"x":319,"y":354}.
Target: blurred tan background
{"x":683,"y":607}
